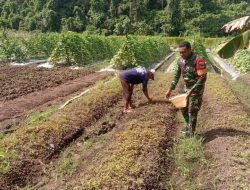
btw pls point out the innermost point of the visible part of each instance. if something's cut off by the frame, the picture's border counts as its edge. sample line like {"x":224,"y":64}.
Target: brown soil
{"x":245,"y":79}
{"x":225,"y":127}
{"x":13,"y":111}
{"x":18,"y":81}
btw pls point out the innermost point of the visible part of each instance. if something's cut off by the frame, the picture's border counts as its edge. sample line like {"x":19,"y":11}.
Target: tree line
{"x":121,"y":17}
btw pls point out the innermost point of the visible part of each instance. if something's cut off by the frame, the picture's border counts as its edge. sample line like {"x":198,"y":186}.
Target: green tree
{"x":168,"y":17}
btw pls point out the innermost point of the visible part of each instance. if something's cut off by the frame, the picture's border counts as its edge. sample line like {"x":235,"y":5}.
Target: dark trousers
{"x":127,"y":90}
{"x":190,"y":112}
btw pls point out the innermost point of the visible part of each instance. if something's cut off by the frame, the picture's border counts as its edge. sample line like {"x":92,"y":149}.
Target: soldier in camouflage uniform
{"x":194,"y":72}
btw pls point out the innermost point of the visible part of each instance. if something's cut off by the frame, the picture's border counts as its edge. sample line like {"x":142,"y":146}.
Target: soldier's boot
{"x":187,"y":131}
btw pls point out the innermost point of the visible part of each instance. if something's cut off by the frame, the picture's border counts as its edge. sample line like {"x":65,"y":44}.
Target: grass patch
{"x":218,"y":87}
{"x":66,"y":164}
{"x":229,"y":96}
{"x":189,"y":157}
{"x":89,"y":143}
{"x":40,"y":116}
{"x":5,"y":155}
{"x":245,"y":158}
{"x":241,"y":120}
{"x":116,"y":170}
{"x":2,"y":135}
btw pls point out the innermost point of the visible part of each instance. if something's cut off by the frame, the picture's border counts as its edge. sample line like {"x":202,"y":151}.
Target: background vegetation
{"x":147,"y":17}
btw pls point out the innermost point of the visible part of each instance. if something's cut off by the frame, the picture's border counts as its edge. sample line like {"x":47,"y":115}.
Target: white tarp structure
{"x":238,"y":25}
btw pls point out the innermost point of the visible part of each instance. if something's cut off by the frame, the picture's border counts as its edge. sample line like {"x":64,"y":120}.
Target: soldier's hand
{"x":168,"y":94}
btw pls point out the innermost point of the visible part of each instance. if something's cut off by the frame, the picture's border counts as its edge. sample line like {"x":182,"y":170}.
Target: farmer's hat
{"x":151,"y":74}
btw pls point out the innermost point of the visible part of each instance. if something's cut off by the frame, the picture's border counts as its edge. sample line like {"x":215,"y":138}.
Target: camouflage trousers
{"x":190,"y":112}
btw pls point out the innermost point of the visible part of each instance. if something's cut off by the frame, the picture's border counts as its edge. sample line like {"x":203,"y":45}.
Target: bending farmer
{"x":194,"y":72}
{"x":131,"y":77}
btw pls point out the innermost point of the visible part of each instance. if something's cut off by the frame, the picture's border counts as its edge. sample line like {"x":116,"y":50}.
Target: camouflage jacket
{"x":194,"y":72}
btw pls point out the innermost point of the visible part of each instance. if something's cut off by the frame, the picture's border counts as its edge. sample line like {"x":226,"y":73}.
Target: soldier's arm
{"x":176,"y":78}
{"x":201,"y":69}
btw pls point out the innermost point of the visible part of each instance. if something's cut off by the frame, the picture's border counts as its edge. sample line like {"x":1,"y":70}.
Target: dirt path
{"x":12,"y":112}
{"x":225,"y":127}
{"x":218,"y":157}
{"x":245,"y":79}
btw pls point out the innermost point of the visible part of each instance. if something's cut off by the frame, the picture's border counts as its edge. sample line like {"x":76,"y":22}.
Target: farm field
{"x":19,"y":81}
{"x":27,"y":89}
{"x":91,"y":144}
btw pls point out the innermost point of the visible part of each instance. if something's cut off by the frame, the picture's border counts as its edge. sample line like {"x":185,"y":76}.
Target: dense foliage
{"x":241,"y":61}
{"x":11,"y":48}
{"x":68,"y":47}
{"x":140,"y":51}
{"x":40,"y":45}
{"x":20,"y":48}
{"x":170,"y":17}
{"x":199,"y":48}
{"x":73,"y":48}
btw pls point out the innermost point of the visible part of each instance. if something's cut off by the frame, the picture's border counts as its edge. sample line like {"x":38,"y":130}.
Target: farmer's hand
{"x":150,"y":100}
{"x":168,"y":93}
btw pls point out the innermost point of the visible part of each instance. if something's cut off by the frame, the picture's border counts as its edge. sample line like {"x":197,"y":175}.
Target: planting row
{"x":118,"y":151}
{"x":40,"y":139}
{"x":79,"y":49}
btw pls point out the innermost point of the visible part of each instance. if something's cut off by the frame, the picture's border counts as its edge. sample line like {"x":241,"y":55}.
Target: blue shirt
{"x":136,"y":76}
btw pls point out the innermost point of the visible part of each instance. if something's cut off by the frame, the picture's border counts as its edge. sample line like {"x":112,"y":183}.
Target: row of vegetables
{"x":79,"y":49}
